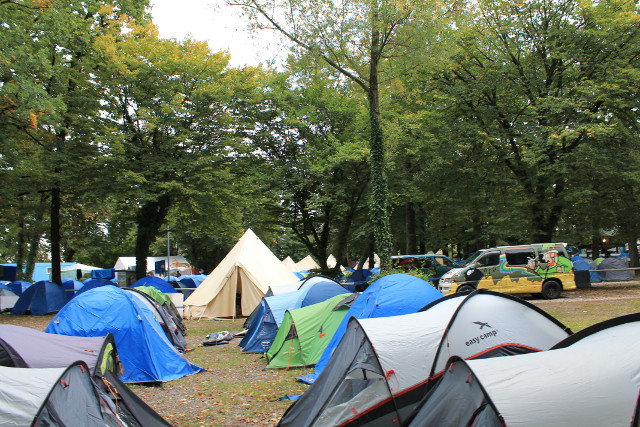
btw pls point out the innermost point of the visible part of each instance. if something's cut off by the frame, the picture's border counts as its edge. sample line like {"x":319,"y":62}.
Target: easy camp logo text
{"x":489,"y":332}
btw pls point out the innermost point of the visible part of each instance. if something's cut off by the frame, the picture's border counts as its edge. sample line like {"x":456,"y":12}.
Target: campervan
{"x":542,"y":269}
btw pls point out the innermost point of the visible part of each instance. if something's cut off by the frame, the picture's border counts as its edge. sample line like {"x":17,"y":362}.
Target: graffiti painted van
{"x":542,"y":269}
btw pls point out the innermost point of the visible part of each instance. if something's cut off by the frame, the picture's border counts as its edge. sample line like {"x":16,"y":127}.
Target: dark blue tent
{"x":390,"y":295}
{"x":43,"y":297}
{"x":155,"y":282}
{"x":268,"y":318}
{"x":146,"y":353}
{"x":5,"y":287}
{"x":358,"y":277}
{"x":19,"y":286}
{"x":187,"y":282}
{"x":71,"y":286}
{"x":582,"y":264}
{"x":94,"y":283}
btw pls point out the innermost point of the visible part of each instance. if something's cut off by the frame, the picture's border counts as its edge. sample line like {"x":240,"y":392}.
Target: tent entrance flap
{"x":363,"y":384}
{"x":250,"y":293}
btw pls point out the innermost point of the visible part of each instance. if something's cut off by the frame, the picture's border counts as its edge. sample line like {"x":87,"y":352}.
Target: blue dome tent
{"x":144,"y":349}
{"x":92,"y":284}
{"x":71,"y":286}
{"x":583,"y":264}
{"x":156,"y":282}
{"x":43,"y":297}
{"x":19,"y":286}
{"x":390,"y":295}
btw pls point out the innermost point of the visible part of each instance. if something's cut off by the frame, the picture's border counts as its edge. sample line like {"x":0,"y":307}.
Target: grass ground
{"x":236,"y":390}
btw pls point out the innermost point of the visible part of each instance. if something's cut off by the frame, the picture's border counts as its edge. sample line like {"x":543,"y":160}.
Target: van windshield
{"x":468,"y":260}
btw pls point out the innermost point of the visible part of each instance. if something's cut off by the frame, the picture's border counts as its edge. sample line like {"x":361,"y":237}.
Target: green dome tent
{"x":305,"y":332}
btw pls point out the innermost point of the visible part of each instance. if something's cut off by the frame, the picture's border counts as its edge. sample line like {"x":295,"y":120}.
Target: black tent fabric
{"x":133,"y":410}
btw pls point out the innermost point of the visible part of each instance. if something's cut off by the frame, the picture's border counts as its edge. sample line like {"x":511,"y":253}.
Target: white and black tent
{"x":22,"y":347}
{"x":52,"y":397}
{"x":383,"y":367}
{"x":590,"y":379}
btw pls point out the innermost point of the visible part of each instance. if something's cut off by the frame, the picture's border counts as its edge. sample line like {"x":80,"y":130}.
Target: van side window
{"x":488,"y":260}
{"x":519,"y":256}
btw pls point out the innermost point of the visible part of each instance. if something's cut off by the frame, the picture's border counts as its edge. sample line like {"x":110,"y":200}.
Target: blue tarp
{"x":145,"y":351}
{"x":105,"y":273}
{"x":43,"y":297}
{"x":390,"y":295}
{"x":267,"y":320}
{"x":155,"y":282}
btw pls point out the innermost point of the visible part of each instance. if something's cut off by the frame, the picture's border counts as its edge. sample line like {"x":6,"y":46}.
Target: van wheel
{"x":551,"y":289}
{"x":465,"y":288}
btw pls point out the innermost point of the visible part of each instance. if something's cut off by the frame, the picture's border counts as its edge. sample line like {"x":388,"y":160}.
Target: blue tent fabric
{"x":71,"y":286}
{"x":145,"y":351}
{"x":19,"y":286}
{"x":106,"y":273}
{"x":272,"y":309}
{"x":187,"y":282}
{"x":359,"y":276}
{"x":155,"y":282}
{"x":390,"y":295}
{"x":92,"y":284}
{"x":581,"y":264}
{"x":43,"y":297}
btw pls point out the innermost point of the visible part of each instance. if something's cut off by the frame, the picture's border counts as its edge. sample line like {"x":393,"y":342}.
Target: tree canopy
{"x":414,"y":126}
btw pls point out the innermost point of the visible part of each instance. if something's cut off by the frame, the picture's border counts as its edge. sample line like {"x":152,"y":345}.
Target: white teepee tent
{"x":248,"y":271}
{"x":290,"y":264}
{"x":307,"y":263}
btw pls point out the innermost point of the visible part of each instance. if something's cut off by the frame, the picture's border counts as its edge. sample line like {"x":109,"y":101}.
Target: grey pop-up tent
{"x":29,"y":348}
{"x":617,"y":269}
{"x":22,"y":347}
{"x":590,"y":379}
{"x":52,"y":397}
{"x":383,"y":367}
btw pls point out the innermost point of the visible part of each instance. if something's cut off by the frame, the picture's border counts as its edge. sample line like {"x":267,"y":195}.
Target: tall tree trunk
{"x":34,"y":242}
{"x":22,"y":241}
{"x":345,"y":229}
{"x":632,"y":242}
{"x":410,"y":228}
{"x":150,"y":218}
{"x":56,"y":274}
{"x":379,"y":210}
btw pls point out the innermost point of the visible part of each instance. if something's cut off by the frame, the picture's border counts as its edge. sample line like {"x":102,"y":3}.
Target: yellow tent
{"x":247,"y":271}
